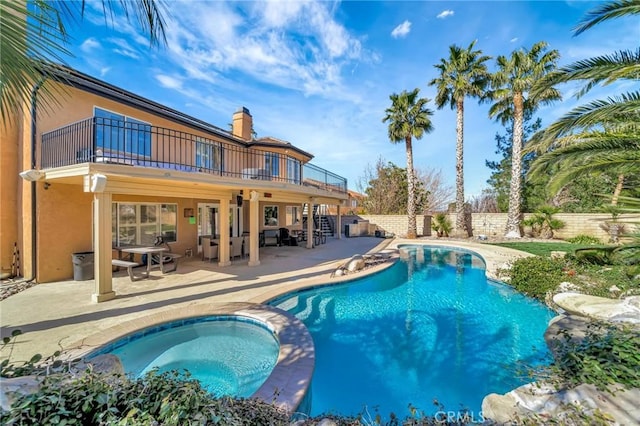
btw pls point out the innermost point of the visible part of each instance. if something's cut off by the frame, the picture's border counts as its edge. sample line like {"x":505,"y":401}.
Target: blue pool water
{"x":228,"y":355}
{"x":431,"y":327}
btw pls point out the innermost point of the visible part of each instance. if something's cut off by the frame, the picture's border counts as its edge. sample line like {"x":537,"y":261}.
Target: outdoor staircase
{"x":320,"y":221}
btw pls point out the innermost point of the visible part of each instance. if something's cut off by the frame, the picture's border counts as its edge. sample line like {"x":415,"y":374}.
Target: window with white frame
{"x":271,"y":163}
{"x":209,"y":155}
{"x":270,"y":215}
{"x":141,"y":223}
{"x":120,"y":133}
{"x":293,"y":170}
{"x":292,"y":215}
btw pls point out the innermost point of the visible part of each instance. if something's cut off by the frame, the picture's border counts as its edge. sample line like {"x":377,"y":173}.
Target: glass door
{"x":209,"y":221}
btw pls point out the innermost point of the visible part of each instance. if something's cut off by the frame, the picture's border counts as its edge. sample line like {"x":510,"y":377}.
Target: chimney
{"x":242,"y":124}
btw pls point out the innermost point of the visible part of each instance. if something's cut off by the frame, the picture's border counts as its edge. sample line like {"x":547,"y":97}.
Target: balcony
{"x":103,"y":140}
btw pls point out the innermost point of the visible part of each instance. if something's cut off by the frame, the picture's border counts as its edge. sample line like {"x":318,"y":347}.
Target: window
{"x":292,"y":215}
{"x":142,"y":223}
{"x":270,"y":215}
{"x":293,"y":170}
{"x":271,"y":163}
{"x":119,"y":133}
{"x":209,"y":155}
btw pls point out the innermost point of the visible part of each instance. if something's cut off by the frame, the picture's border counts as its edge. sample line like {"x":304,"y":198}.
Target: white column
{"x":223,"y":247}
{"x":339,"y":221}
{"x":102,"y":247}
{"x":310,"y":225}
{"x":254,"y":229}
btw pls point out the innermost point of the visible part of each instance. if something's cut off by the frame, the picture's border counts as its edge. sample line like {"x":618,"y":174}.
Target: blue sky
{"x":319,"y":74}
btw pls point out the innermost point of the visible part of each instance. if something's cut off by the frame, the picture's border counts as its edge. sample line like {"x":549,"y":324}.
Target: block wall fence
{"x":493,"y":224}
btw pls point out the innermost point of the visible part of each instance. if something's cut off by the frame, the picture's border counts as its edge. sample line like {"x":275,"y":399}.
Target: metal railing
{"x":105,"y":140}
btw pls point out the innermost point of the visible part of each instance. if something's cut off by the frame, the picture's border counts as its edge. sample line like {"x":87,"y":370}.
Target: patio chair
{"x":286,"y":238}
{"x":271,"y":237}
{"x":209,"y":249}
{"x":236,"y":246}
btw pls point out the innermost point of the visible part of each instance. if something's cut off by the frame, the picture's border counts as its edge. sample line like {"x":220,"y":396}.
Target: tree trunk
{"x":411,"y":202}
{"x":460,"y":218}
{"x":514,"y":216}
{"x":618,"y":190}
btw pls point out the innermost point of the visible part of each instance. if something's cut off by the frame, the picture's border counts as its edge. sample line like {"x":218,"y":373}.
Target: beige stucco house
{"x":104,"y":168}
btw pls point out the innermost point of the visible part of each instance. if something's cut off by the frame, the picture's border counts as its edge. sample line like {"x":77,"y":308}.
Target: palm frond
{"x":606,"y":11}
{"x":595,"y":113}
{"x":588,"y":153}
{"x":33,"y":40}
{"x":624,"y":64}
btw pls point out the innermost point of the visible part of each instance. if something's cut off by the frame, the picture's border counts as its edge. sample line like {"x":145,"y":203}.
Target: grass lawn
{"x":541,"y":248}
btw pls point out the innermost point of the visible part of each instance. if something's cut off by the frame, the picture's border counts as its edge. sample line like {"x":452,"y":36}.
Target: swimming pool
{"x":229,"y":355}
{"x":431,"y":327}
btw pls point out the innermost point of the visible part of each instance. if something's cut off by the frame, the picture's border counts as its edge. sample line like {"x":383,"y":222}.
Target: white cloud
{"x":128,"y":53}
{"x":104,"y":71}
{"x":89,"y":45}
{"x":294,"y":45}
{"x":124,"y":48}
{"x":445,"y":14}
{"x":401,"y":30}
{"x":513,"y":40}
{"x":169,"y":82}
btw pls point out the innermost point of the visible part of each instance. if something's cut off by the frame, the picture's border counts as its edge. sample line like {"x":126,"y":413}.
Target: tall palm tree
{"x":511,"y":91}
{"x":34,"y":35}
{"x":408,"y":118}
{"x":464,"y":74}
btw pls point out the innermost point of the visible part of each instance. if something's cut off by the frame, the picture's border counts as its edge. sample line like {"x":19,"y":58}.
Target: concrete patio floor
{"x":55,"y":315}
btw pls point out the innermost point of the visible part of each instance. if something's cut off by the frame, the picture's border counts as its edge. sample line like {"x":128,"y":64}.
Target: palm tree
{"x":464,"y":74}
{"x":34,"y":35}
{"x":408,"y":118}
{"x":512,"y":93}
{"x":603,"y":134}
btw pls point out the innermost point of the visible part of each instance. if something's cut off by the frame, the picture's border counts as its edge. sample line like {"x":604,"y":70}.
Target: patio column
{"x":102,"y":247}
{"x":254,"y":228}
{"x":310,"y":224}
{"x":339,"y":221}
{"x":223,"y":247}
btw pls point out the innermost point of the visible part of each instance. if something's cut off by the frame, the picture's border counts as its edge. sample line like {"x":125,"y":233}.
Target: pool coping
{"x":289,"y":380}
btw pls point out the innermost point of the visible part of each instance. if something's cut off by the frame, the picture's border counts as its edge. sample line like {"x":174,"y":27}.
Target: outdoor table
{"x":148,"y":251}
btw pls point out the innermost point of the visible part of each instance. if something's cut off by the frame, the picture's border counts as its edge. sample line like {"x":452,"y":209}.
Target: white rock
{"x":355,"y":264}
{"x":566,"y":286}
{"x":11,"y":389}
{"x":600,"y":308}
{"x":106,"y":363}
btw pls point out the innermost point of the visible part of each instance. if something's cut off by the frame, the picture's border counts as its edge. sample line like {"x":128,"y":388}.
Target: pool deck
{"x":61,"y":314}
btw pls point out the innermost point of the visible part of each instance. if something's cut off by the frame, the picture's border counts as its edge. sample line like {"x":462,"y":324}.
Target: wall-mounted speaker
{"x":98,"y":183}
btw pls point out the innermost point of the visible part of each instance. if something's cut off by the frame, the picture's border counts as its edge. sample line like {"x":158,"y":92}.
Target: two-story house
{"x":105,"y":168}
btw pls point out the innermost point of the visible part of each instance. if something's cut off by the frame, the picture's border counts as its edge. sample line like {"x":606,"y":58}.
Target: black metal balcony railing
{"x":104,"y":140}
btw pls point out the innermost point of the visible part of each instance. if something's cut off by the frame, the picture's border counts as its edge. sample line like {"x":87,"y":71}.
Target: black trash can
{"x":82,"y":266}
{"x":346,"y":231}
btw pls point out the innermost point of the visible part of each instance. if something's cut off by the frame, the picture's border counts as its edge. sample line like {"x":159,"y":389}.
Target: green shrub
{"x":169,"y":398}
{"x":584,"y":240}
{"x":535,"y":276}
{"x":607,"y":355}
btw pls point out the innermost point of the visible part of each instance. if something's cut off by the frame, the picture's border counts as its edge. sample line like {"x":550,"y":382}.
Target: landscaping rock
{"x":566,"y":286}
{"x":575,"y":327}
{"x":600,"y":308}
{"x":104,"y":364}
{"x":11,"y":389}
{"x":547,"y":402}
{"x":355,"y":264}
